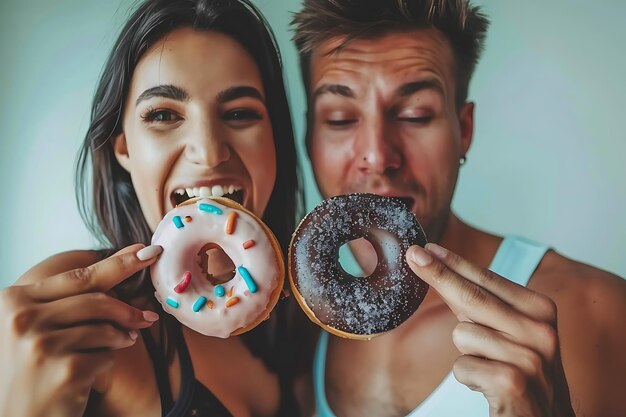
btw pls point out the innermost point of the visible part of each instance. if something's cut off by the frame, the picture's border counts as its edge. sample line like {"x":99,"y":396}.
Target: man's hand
{"x":507,"y":336}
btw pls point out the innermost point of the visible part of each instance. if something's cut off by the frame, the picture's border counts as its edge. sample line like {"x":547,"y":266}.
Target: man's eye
{"x":242,"y":115}
{"x":416,"y":120}
{"x":160,"y":116}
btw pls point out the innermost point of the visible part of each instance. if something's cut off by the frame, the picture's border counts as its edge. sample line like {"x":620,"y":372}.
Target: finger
{"x":476,"y":340}
{"x":470,"y":302}
{"x":97,"y":306}
{"x":99,"y":277}
{"x":504,"y":386}
{"x":532,"y":304}
{"x":85,"y":339}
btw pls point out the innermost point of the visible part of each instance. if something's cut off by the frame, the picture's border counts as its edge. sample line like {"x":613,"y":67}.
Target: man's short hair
{"x":464,"y":26}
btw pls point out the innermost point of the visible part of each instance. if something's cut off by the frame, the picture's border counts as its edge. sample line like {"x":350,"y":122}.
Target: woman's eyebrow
{"x":166,"y":90}
{"x":236,"y":92}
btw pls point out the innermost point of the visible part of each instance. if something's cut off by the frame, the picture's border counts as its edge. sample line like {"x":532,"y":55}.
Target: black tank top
{"x":194,"y":399}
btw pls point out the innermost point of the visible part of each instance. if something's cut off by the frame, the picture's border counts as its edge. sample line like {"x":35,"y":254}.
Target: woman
{"x":191,"y":95}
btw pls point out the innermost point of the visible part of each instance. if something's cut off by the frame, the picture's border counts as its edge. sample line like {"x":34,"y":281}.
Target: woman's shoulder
{"x":61,"y":262}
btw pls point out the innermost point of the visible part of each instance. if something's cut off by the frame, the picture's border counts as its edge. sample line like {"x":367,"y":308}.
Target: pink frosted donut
{"x":182,"y":284}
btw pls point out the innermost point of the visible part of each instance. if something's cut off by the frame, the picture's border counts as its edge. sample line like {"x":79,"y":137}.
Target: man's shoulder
{"x":557,"y":272}
{"x":579,"y":289}
{"x":590,"y":306}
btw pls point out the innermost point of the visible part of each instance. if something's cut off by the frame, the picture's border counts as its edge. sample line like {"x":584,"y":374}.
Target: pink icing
{"x":180,"y":254}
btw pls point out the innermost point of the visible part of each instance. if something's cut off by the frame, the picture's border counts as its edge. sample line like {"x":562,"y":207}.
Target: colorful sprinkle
{"x":187,"y":219}
{"x":247,"y":278}
{"x":182,"y":285}
{"x":231,"y":222}
{"x":230,"y":292}
{"x":248,"y":244}
{"x":171,"y":302}
{"x":219,"y":291}
{"x":209,"y":208}
{"x":200,"y":302}
{"x":209,"y":304}
{"x":232,"y":301}
{"x":178,"y":222}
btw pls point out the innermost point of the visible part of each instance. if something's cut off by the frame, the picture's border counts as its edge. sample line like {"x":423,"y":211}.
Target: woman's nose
{"x":207,"y":146}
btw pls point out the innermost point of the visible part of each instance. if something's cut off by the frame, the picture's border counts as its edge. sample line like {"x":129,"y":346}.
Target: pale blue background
{"x":547,"y":160}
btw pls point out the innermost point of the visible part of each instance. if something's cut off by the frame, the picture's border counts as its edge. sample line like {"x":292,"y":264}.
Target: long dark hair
{"x":105,"y":195}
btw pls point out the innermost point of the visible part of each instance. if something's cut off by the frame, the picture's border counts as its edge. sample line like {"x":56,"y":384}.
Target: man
{"x":387,"y":86}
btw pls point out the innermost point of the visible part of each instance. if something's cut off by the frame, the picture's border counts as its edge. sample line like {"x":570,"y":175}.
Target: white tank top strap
{"x":517,"y":259}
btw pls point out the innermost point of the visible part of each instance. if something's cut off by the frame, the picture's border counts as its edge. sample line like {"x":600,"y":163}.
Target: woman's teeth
{"x":233,"y":192}
{"x":215,"y":191}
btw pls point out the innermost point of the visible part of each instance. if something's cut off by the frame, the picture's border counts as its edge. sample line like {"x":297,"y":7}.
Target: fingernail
{"x":149,"y":252}
{"x":150,"y":316}
{"x":133,"y":334}
{"x":419,"y":256}
{"x":437,"y":250}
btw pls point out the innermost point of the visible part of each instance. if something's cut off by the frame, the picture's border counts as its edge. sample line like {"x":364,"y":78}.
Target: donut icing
{"x":184,"y":289}
{"x":341,"y":303}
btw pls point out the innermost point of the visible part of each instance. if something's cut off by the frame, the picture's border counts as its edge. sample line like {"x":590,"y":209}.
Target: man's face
{"x":384,"y":121}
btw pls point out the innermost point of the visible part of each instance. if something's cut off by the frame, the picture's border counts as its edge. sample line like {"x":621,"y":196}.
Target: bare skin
{"x":57,"y":355}
{"x":190,"y":120}
{"x":385,"y":121}
{"x":120,"y":380}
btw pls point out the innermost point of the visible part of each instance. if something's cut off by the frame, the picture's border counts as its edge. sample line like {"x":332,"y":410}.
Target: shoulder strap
{"x":517,"y":259}
{"x":319,"y":377}
{"x":159,"y":363}
{"x":169,"y":408}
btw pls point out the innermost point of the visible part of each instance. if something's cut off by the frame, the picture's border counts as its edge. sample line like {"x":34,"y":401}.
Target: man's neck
{"x":469,"y":242}
{"x":456,"y":235}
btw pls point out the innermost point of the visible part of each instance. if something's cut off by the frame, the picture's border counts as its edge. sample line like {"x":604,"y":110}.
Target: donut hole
{"x":367,"y":257}
{"x":216,"y":265}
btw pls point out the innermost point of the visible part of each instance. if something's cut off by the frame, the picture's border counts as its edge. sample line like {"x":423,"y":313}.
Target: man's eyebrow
{"x":236,"y":92}
{"x":337,"y":89}
{"x":415,"y":86}
{"x":164,"y":90}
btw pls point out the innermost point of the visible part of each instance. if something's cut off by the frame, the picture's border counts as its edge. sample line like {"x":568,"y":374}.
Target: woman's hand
{"x":507,"y":335}
{"x":58,"y":334}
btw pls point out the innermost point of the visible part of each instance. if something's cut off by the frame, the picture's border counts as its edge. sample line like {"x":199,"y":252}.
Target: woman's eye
{"x":242,"y":115}
{"x":340,"y":122}
{"x":160,"y":116}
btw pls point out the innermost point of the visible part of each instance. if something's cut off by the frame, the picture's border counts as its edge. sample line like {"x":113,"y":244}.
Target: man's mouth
{"x":407,"y":201}
{"x":231,"y":191}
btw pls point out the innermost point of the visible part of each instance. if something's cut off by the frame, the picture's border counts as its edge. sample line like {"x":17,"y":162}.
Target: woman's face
{"x":195,"y":123}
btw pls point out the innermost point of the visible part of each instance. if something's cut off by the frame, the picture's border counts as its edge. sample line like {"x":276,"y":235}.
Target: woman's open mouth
{"x":231,"y":191}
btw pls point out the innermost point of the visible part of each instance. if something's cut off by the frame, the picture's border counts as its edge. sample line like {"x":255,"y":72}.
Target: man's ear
{"x":120,"y":148}
{"x":466,"y":123}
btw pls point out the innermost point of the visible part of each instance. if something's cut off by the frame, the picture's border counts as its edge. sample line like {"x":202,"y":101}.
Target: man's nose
{"x":377,"y":149}
{"x":207,"y":145}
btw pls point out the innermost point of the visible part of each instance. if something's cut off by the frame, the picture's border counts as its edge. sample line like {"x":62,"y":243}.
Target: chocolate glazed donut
{"x":358,"y":308}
